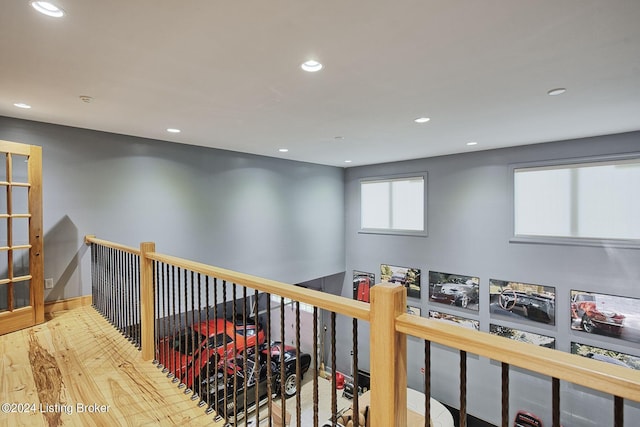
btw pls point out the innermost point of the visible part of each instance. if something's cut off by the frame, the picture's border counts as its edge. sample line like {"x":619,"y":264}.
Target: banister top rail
{"x":341,"y":305}
{"x":92,"y":239}
{"x":597,"y":375}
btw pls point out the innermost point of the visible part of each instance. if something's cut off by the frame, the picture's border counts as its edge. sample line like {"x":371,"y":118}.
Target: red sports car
{"x":201,"y":348}
{"x":585,"y":311}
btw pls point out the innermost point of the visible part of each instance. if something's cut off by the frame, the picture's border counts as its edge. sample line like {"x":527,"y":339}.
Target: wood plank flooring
{"x":77,"y":370}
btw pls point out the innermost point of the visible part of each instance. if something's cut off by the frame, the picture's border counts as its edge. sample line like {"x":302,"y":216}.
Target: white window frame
{"x":566,"y":240}
{"x":394,"y":231}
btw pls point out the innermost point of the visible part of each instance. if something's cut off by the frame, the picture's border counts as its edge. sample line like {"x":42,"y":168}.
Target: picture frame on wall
{"x":523,"y":336}
{"x":454,"y":289}
{"x":414,"y":310}
{"x":522,"y":301}
{"x":406,"y":276}
{"x":454,"y":320}
{"x":362,"y":283}
{"x":605,"y":315}
{"x":604,"y":355}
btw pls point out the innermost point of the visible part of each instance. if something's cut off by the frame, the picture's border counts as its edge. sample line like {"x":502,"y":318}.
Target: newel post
{"x":147,"y":320}
{"x":388,"y":357}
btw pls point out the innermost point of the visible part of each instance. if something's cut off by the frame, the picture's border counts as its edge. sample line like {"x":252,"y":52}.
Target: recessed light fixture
{"x":472,"y":143}
{"x":422,"y":120}
{"x":22,"y":105}
{"x":311,"y":66}
{"x":173,"y":130}
{"x":48,"y":8}
{"x":283,"y":150}
{"x":556,"y":91}
{"x":347,"y":161}
{"x":338,"y":137}
{"x":86,"y":99}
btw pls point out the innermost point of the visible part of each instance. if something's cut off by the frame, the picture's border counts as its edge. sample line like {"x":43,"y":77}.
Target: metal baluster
{"x":235,"y":352}
{"x":225,"y":377}
{"x":208,"y":373}
{"x":334,"y":397}
{"x":618,"y":411}
{"x":174,"y":336}
{"x":269,"y":368}
{"x":215,"y":341}
{"x":298,"y":368}
{"x":282,"y":369}
{"x":315,"y":366}
{"x":463,"y":388}
{"x":257,"y":352}
{"x":183,"y":329}
{"x":356,"y":409}
{"x":555,"y":401}
{"x":197,"y":387}
{"x":427,"y":382}
{"x":178,"y":372}
{"x":157,"y":286}
{"x":505,"y":394}
{"x":137,"y":298}
{"x":191,"y":387}
{"x":244,"y":355}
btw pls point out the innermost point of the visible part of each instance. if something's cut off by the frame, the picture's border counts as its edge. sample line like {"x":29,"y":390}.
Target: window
{"x":590,"y":200}
{"x":394,"y":206}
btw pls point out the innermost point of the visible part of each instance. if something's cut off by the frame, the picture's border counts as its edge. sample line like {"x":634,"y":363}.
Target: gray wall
{"x":274,"y":218}
{"x":469,"y":226}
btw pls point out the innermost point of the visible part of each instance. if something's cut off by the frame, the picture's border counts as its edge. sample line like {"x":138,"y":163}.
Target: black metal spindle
{"x":207,"y":390}
{"x":157,"y":286}
{"x":315,"y":366}
{"x":179,"y":374}
{"x":283,"y":409}
{"x":244,"y":355}
{"x":618,"y":411}
{"x":197,"y":387}
{"x":555,"y":402}
{"x":427,"y":382}
{"x":298,"y":367}
{"x":463,"y":388}
{"x":235,"y":352}
{"x":334,"y":397}
{"x":224,"y":347}
{"x":270,"y":391}
{"x":194,"y":346}
{"x":354,"y":350}
{"x":256,"y":350}
{"x":505,"y":394}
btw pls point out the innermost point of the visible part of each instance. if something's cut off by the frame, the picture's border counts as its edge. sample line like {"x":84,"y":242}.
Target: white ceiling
{"x":227,"y":72}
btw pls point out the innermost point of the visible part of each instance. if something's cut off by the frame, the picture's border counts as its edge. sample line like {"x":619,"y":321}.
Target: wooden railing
{"x":389,"y":328}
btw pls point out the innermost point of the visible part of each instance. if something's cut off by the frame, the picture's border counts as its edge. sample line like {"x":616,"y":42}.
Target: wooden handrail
{"x":594,"y":374}
{"x":92,"y":239}
{"x":348,"y":307}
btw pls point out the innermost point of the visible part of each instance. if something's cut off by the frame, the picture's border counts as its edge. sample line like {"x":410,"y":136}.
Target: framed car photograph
{"x":408,"y":277}
{"x":609,"y":356}
{"x":414,"y":310}
{"x":454,"y":289}
{"x":455,"y":320}
{"x":522,"y":336}
{"x":606,"y":315}
{"x":362,"y":282}
{"x":522,"y":301}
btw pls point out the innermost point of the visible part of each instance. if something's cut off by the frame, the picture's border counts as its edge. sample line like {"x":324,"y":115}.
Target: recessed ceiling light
{"x":22,"y":105}
{"x":338,"y":137}
{"x":173,"y":130}
{"x":48,"y":8}
{"x":86,"y":99}
{"x":557,"y":91}
{"x":347,"y":161}
{"x":283,"y":150}
{"x":472,"y":143}
{"x":311,"y":66}
{"x":422,"y":120}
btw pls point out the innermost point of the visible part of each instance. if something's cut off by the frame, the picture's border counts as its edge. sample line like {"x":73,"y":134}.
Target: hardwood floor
{"x":77,"y":370}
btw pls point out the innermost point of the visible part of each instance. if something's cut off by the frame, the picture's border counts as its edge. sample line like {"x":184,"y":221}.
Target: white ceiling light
{"x":22,"y":105}
{"x":311,"y":66}
{"x":422,"y":120}
{"x":173,"y":130}
{"x":472,"y":143}
{"x":347,"y":161}
{"x":283,"y":150}
{"x":48,"y":8}
{"x":557,"y":91}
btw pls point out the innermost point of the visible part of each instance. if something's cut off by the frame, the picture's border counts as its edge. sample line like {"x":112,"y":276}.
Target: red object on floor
{"x":339,"y":381}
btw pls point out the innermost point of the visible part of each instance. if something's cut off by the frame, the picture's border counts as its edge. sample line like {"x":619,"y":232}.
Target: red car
{"x":585,"y":311}
{"x":198,"y":349}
